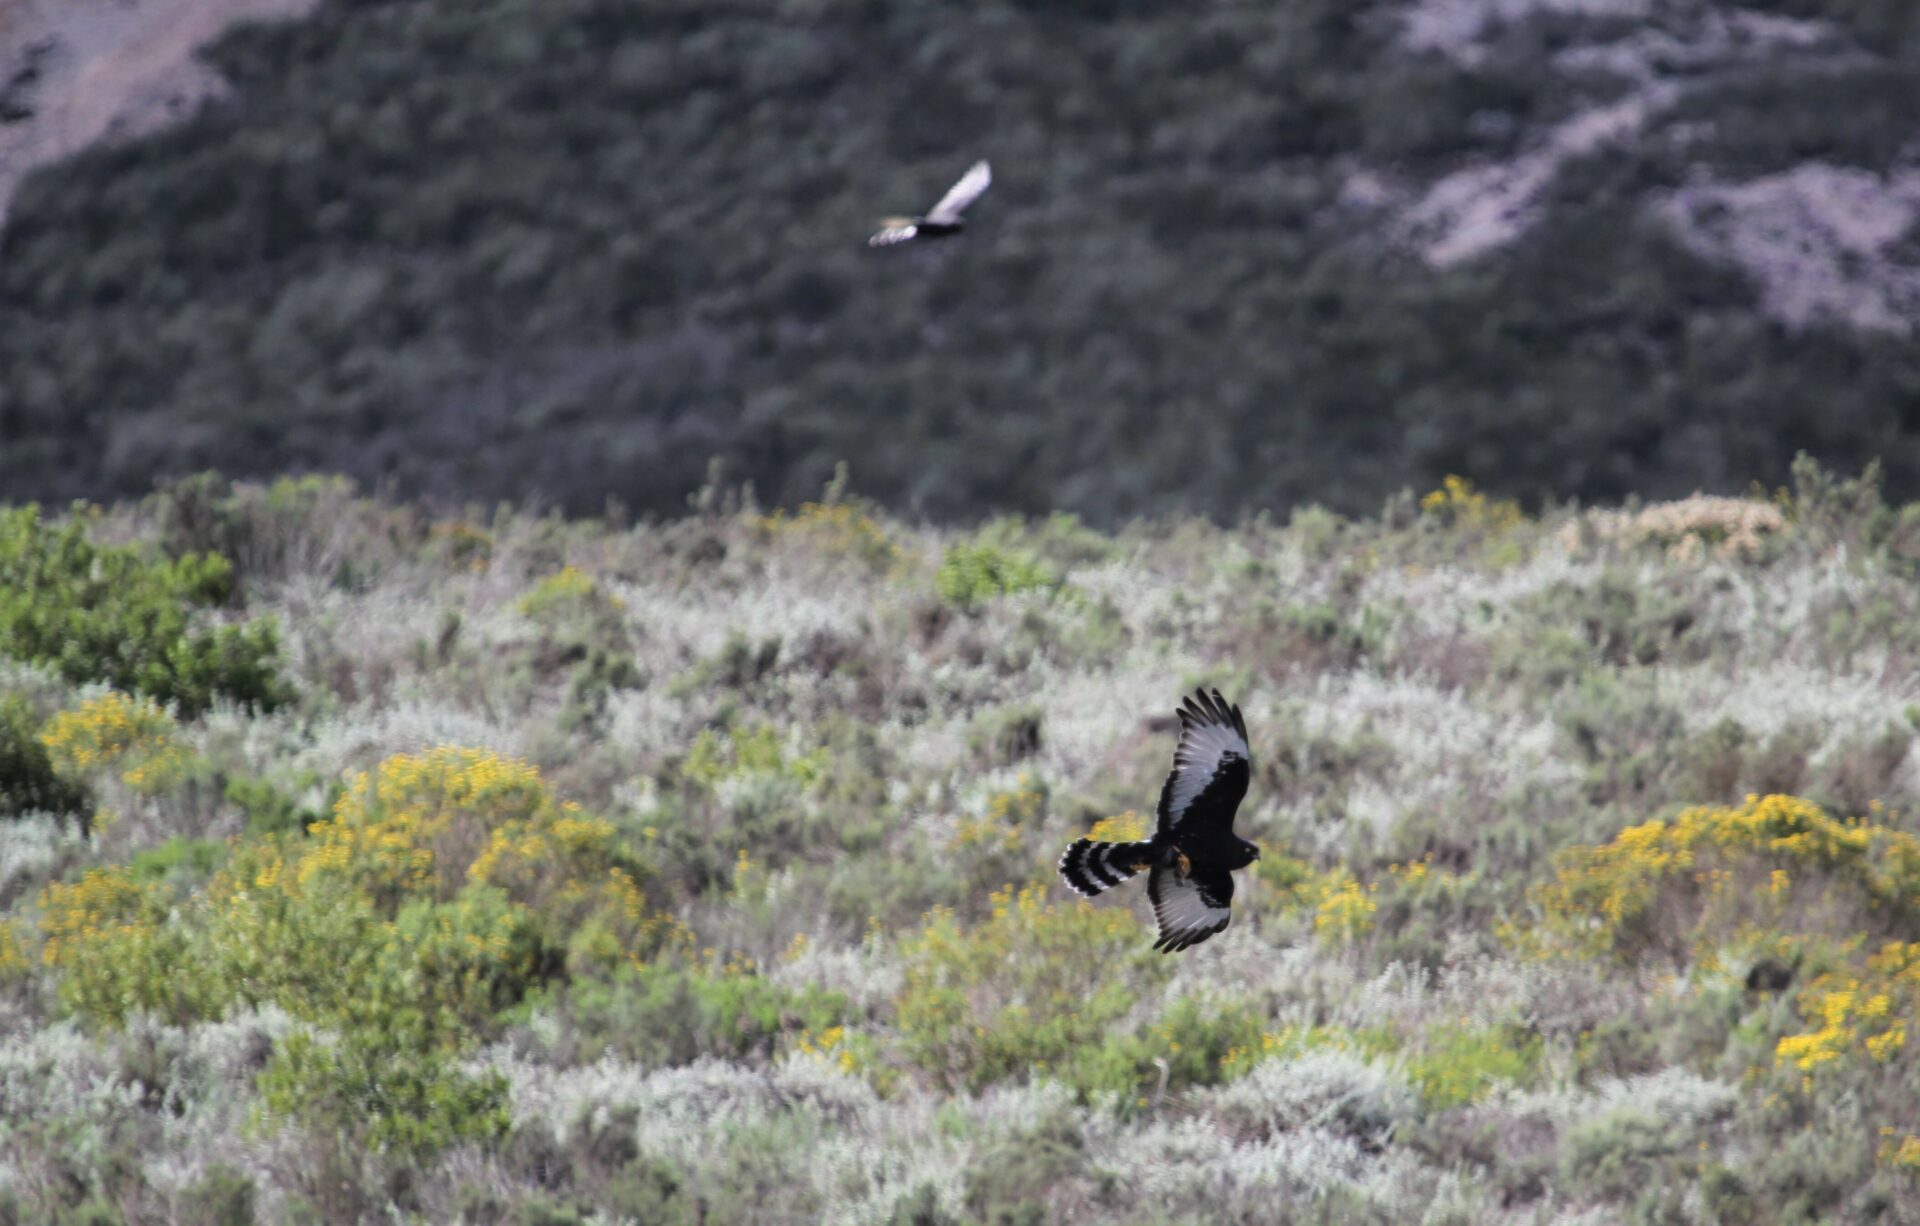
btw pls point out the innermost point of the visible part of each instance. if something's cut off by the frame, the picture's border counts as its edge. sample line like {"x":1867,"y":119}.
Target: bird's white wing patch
{"x":961,"y":194}
{"x":1208,"y":733}
{"x":893,"y":230}
{"x":1186,"y":912}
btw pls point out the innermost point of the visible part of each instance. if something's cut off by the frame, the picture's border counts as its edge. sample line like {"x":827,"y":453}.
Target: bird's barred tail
{"x":1091,"y":867}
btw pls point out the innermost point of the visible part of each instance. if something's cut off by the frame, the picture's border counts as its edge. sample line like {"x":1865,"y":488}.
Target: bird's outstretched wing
{"x":961,"y":194}
{"x":1211,"y":765}
{"x":1189,"y":909}
{"x":894,"y":230}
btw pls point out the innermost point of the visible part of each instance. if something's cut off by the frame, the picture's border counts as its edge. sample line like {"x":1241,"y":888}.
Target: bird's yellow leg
{"x":1186,"y":865}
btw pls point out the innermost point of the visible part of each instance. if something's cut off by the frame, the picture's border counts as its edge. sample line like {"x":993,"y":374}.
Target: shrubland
{"x":503,"y":867}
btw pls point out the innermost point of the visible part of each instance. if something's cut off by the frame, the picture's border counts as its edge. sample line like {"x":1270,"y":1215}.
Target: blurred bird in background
{"x":943,"y":219}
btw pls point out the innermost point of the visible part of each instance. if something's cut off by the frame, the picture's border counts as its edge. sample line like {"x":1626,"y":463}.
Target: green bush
{"x":1190,"y":1042}
{"x":179,"y":860}
{"x":1031,"y":991}
{"x":382,"y":1086}
{"x":972,"y":574}
{"x":109,"y":614}
{"x":271,"y":809}
{"x":663,"y":1015}
{"x":221,"y":1196}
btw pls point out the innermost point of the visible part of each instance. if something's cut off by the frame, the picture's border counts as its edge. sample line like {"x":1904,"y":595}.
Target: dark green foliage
{"x":295,"y":525}
{"x":631,"y":238}
{"x":221,"y":1196}
{"x":921,"y":1207}
{"x":650,"y":1190}
{"x":108,"y":613}
{"x":739,"y":664}
{"x":1608,"y":1157}
{"x":92,"y":1213}
{"x":662,"y":1015}
{"x":27,"y":780}
{"x":1008,"y":735}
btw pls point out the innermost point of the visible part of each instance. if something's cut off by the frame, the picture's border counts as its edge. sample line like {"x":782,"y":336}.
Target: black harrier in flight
{"x":943,"y":219}
{"x":1191,"y":857}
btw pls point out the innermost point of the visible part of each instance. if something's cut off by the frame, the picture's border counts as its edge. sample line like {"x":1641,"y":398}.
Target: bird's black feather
{"x":1194,"y":850}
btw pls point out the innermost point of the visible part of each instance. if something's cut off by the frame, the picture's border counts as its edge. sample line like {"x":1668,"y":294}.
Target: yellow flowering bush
{"x":1771,"y":880}
{"x":1455,"y":1065}
{"x":1298,"y":1039}
{"x":1346,"y":912}
{"x":109,"y":938}
{"x":1343,"y":908}
{"x":568,"y":592}
{"x":451,"y":879}
{"x":1683,"y":887}
{"x":133,"y":739}
{"x":1458,"y":502}
{"x":836,"y":530}
{"x":13,"y":953}
{"x":851,"y":1051}
{"x":754,"y":749}
{"x":1856,"y":1011}
{"x":443,"y":888}
{"x":1128,"y":827}
{"x":1007,"y":818}
{"x":1903,"y":1153}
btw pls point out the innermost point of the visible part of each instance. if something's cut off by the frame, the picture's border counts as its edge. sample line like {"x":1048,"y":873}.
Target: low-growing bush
{"x":28,"y":781}
{"x":834,"y":530}
{"x":131,"y":739}
{"x":110,"y":614}
{"x":443,"y":889}
{"x":1030,"y":990}
{"x":1683,"y":887}
{"x":972,"y":574}
{"x":662,"y":1015}
{"x":372,"y":1085}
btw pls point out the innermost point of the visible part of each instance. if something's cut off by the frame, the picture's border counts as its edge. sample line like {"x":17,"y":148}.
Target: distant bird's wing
{"x":961,"y":194}
{"x":894,"y":230}
{"x":1211,"y":765}
{"x":1189,"y":909}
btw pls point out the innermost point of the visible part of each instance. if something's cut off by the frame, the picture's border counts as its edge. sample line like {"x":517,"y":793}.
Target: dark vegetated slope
{"x":575,"y":248}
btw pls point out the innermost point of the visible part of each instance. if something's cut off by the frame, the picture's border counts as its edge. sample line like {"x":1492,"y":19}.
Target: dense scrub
{"x":705,"y":868}
{"x":486,"y":248}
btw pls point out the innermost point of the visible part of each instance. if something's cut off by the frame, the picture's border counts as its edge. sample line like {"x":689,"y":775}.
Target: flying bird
{"x":943,"y":219}
{"x":1190,"y":859}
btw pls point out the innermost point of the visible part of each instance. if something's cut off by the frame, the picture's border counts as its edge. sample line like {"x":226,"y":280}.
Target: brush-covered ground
{"x":363,"y":862}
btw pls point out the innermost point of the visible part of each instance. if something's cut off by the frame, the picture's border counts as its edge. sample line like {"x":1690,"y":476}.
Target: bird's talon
{"x":1186,"y":865}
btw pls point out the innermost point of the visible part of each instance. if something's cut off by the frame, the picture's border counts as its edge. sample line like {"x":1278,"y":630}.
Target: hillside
{"x":515,"y":869}
{"x":1250,"y":258}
